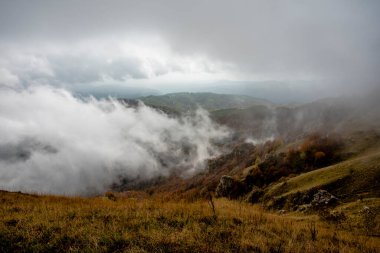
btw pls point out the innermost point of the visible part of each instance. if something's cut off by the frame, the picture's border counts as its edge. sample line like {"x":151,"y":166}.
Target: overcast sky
{"x":172,"y":43}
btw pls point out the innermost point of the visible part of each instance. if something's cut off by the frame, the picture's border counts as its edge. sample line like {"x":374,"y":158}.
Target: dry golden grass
{"x":31,"y":223}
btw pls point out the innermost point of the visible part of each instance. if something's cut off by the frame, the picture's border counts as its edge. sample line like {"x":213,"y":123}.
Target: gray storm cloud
{"x":52,"y":142}
{"x":98,"y":62}
{"x":335,"y":42}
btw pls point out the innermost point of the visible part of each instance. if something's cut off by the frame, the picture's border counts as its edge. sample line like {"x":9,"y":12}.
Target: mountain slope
{"x":343,"y":115}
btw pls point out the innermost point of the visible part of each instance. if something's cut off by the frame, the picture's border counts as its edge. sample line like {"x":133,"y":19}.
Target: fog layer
{"x":52,"y":142}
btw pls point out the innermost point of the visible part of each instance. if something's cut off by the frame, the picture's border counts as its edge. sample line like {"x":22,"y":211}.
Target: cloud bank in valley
{"x":52,"y":142}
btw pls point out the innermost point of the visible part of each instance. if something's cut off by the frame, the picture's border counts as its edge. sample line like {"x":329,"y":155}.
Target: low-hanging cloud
{"x":53,"y":142}
{"x":128,"y":61}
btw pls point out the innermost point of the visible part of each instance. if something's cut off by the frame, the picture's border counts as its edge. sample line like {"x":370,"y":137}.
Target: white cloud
{"x":7,"y":78}
{"x":140,"y":60}
{"x":51,"y":142}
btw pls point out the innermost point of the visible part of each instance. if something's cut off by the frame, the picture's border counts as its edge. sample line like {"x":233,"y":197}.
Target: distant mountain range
{"x":279,"y":92}
{"x":274,"y":91}
{"x":185,"y":101}
{"x":115,"y":91}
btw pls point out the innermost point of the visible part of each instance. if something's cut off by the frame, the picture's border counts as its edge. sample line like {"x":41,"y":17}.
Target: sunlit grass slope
{"x":359,"y":176}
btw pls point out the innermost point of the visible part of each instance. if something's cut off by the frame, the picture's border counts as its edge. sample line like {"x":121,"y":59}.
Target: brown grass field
{"x":33,"y":223}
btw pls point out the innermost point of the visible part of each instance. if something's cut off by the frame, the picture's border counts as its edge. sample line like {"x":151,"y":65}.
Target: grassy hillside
{"x":352,"y":178}
{"x":31,"y":223}
{"x":183,"y":102}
